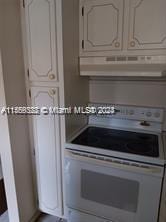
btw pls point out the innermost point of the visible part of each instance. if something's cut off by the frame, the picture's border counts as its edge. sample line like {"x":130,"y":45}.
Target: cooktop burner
{"x":119,"y":140}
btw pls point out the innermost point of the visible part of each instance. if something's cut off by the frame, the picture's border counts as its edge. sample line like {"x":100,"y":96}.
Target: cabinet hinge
{"x":23,"y":3}
{"x":30,"y":93}
{"x":82,"y":44}
{"x":28,"y":73}
{"x":82,"y":11}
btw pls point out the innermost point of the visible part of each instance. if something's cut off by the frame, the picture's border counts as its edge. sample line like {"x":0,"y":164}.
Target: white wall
{"x":1,"y":175}
{"x":6,"y":157}
{"x":76,"y":87}
{"x":140,"y":93}
{"x":14,"y":82}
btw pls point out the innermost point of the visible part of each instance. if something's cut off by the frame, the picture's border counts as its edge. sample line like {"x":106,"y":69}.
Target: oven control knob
{"x":148,"y":114}
{"x":157,"y":115}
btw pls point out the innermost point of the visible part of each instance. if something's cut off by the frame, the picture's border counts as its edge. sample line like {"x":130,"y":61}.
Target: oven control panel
{"x":133,"y":112}
{"x":140,"y":113}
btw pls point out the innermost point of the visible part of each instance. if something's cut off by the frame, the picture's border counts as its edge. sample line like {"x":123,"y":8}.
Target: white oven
{"x":111,"y":189}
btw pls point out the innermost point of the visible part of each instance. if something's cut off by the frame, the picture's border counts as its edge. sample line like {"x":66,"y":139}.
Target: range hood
{"x":142,"y":66}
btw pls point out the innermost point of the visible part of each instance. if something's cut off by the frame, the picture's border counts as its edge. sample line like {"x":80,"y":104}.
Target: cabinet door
{"x":47,"y":151}
{"x":41,"y":39}
{"x":147,"y":29}
{"x":101,"y":25}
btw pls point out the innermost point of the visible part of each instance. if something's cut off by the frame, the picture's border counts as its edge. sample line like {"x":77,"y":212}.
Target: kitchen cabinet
{"x":147,"y":25}
{"x":41,"y":40}
{"x":102,"y":25}
{"x":51,"y":50}
{"x":122,"y":27}
{"x":47,"y":150}
{"x":45,"y":90}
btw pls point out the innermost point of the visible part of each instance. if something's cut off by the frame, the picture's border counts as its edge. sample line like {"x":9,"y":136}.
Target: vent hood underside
{"x":145,"y":66}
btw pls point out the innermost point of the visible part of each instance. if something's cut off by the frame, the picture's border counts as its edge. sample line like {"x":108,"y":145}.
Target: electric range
{"x":119,"y":140}
{"x":134,"y":133}
{"x":114,"y":164}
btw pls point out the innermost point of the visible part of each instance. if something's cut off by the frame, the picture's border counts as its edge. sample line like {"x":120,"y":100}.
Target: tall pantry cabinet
{"x":51,"y":50}
{"x":45,"y":74}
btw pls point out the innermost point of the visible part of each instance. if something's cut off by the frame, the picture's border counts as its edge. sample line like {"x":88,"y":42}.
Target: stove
{"x":119,"y":140}
{"x":133,"y":133}
{"x":114,"y":164}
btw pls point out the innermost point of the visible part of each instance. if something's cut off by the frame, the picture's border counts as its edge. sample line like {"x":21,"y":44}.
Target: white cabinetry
{"x":147,"y":24}
{"x":102,"y":25}
{"x":122,"y":27}
{"x":41,"y":39}
{"x":47,"y":146}
{"x":43,"y":19}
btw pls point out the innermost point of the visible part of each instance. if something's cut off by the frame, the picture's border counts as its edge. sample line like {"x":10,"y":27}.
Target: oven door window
{"x":110,"y":190}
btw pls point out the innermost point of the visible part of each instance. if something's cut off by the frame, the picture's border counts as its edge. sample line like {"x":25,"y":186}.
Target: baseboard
{"x":35,"y":216}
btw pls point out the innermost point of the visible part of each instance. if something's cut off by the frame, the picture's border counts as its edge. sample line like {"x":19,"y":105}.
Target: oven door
{"x":112,"y":190}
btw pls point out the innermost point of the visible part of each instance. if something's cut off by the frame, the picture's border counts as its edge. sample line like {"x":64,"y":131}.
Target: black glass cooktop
{"x":119,"y":140}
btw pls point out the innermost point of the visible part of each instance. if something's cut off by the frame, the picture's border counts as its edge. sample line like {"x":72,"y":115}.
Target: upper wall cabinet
{"x":41,"y":39}
{"x":147,"y":29}
{"x":101,"y":25}
{"x":122,"y":27}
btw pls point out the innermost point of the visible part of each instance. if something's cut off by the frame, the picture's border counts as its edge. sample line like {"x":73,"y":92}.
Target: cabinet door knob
{"x":132,"y":43}
{"x":51,"y":76}
{"x":117,"y":44}
{"x":52,"y":92}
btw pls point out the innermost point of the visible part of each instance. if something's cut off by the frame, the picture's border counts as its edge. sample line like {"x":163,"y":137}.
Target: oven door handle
{"x":118,"y":164}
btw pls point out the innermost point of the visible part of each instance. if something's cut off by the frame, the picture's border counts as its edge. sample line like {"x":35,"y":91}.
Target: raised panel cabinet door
{"x":41,"y":39}
{"x":102,"y":25}
{"x":47,"y":151}
{"x":147,"y":29}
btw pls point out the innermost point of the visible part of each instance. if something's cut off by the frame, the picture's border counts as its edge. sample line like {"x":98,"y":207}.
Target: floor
{"x":43,"y":218}
{"x":46,"y":218}
{"x":4,"y":217}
